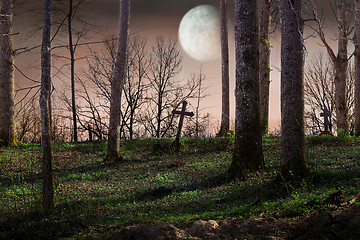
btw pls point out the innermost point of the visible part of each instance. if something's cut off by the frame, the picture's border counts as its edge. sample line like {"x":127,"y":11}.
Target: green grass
{"x":156,"y":184}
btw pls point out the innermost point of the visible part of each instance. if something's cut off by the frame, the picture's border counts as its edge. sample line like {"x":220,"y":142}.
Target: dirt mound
{"x":331,"y":225}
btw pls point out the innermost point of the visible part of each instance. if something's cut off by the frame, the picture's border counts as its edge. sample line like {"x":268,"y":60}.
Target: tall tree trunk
{"x":48,"y":190}
{"x":117,"y":83}
{"x":248,"y":154}
{"x":341,"y":64}
{"x":264,"y":62}
{"x":225,"y":109}
{"x":72,"y":70}
{"x":292,"y":90}
{"x":357,"y":67}
{"x":7,"y":108}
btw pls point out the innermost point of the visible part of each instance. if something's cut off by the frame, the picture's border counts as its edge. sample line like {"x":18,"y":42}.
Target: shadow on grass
{"x":58,"y":226}
{"x":271,"y":190}
{"x":324,"y":177}
{"x":37,"y":177}
{"x":73,"y":215}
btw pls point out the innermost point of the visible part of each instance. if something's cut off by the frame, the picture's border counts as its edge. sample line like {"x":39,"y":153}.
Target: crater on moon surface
{"x":199,"y":33}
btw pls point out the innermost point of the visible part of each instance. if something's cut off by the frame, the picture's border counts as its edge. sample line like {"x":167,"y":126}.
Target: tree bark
{"x":292,"y":90}
{"x":7,"y":107}
{"x":225,"y":116}
{"x":357,"y":68}
{"x":264,"y":61}
{"x":341,"y":64}
{"x":48,"y":190}
{"x":248,"y":154}
{"x":117,"y":83}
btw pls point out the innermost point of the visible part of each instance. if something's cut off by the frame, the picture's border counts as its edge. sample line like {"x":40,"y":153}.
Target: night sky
{"x":153,"y":18}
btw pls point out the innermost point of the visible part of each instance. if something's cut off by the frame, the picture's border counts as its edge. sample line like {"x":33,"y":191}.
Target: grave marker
{"x":182,"y":114}
{"x":326,"y":114}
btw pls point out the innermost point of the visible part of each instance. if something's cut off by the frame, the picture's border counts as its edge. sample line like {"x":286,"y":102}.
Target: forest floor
{"x":157,"y":193}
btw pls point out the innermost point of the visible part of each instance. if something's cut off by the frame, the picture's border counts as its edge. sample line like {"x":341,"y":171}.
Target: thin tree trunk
{"x":72,"y":70}
{"x":197,"y":108}
{"x":7,"y":107}
{"x":48,"y":190}
{"x":357,"y":68}
{"x":292,"y":90}
{"x":264,"y":62}
{"x":159,"y":112}
{"x":225,"y":109}
{"x":131,"y":125}
{"x":248,"y":154}
{"x":117,"y":83}
{"x":341,"y":64}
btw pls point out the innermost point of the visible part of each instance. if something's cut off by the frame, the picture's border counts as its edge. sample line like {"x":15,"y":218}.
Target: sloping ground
{"x":329,"y":226}
{"x":95,"y":199}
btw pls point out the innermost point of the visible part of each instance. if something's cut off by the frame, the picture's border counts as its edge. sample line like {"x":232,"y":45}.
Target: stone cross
{"x":182,"y":114}
{"x":326,"y":114}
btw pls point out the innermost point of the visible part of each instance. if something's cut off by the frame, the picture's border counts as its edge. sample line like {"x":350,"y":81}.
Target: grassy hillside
{"x":155,"y":184}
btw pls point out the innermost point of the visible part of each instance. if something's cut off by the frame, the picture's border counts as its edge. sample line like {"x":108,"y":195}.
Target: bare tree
{"x":138,"y":111}
{"x":7,"y":109}
{"x":319,"y":87}
{"x":68,"y":20}
{"x":141,"y":85}
{"x":164,"y":93}
{"x":92,"y":115}
{"x":292,"y":92}
{"x":96,"y":90}
{"x":28,"y":124}
{"x":265,"y":11}
{"x":72,"y":69}
{"x":225,"y":107}
{"x":340,"y":62}
{"x":248,"y":154}
{"x":135,"y":88}
{"x":100,"y":70}
{"x":197,"y":126}
{"x":48,"y":189}
{"x":357,"y":67}
{"x":319,"y":90}
{"x":113,"y":152}
{"x":72,"y":48}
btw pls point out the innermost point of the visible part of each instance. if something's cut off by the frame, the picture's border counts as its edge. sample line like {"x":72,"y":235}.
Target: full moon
{"x":199,"y":33}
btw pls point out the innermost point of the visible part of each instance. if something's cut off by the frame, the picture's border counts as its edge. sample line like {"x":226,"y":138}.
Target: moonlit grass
{"x":199,"y":33}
